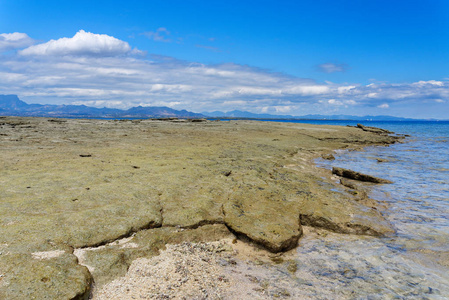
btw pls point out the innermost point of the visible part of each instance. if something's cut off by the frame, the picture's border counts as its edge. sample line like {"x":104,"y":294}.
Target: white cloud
{"x":171,"y":104}
{"x":430,"y":82}
{"x":345,"y":89}
{"x":158,"y":87}
{"x":16,"y":40}
{"x":253,"y":91}
{"x":235,"y":103}
{"x":101,"y":103}
{"x":211,"y":71}
{"x":11,"y":77}
{"x":97,"y":70}
{"x":308,"y":90}
{"x":82,"y":44}
{"x":351,"y":102}
{"x":332,"y":68}
{"x":334,"y":102}
{"x":282,"y":109}
{"x":160,"y":35}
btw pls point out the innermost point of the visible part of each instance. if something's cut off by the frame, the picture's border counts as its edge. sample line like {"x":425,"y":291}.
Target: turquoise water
{"x":414,"y":263}
{"x":411,"y":264}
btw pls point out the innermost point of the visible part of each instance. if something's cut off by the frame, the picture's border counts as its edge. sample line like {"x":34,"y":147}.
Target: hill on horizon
{"x":248,"y":115}
{"x":11,"y":105}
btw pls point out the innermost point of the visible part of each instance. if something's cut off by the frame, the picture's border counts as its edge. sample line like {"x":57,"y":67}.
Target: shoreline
{"x":161,"y":182}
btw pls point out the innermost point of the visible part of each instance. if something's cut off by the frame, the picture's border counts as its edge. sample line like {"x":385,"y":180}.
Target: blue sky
{"x":284,"y":57}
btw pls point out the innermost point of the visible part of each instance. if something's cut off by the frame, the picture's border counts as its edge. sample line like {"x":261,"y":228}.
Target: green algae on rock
{"x":87,"y":183}
{"x":259,"y":214}
{"x":47,"y":276}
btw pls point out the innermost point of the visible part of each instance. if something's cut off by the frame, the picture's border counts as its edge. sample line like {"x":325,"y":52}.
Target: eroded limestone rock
{"x":340,"y":211}
{"x":113,"y":260}
{"x":86,"y":183}
{"x":264,"y":216}
{"x":358,"y":176}
{"x":28,"y":277}
{"x":374,"y":129}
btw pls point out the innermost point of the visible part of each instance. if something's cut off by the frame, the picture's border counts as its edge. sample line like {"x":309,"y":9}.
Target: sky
{"x":352,"y":57}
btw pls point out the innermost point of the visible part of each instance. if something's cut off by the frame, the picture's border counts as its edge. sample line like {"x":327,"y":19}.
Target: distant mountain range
{"x":11,"y":105}
{"x":237,"y":114}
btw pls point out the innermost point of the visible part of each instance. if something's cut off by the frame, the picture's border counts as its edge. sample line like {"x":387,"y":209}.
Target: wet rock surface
{"x":374,"y":129}
{"x":69,"y":185}
{"x":328,"y":156}
{"x":346,"y":173}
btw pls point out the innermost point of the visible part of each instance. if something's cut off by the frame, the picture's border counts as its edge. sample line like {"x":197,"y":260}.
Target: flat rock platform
{"x":68,"y":186}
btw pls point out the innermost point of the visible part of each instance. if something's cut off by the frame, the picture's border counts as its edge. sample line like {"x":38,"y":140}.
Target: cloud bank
{"x":100,"y":70}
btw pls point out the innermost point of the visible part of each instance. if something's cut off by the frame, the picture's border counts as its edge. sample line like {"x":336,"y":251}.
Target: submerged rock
{"x":358,"y":176}
{"x":374,"y":129}
{"x":328,"y":156}
{"x":339,"y":211}
{"x":381,"y":160}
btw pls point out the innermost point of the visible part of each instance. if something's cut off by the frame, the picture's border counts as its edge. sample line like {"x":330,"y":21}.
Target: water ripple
{"x":415,"y":263}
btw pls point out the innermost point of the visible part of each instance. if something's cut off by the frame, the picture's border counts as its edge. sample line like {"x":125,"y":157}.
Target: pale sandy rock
{"x":47,"y":254}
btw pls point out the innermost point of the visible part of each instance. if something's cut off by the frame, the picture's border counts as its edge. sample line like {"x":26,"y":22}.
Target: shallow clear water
{"x":414,"y":263}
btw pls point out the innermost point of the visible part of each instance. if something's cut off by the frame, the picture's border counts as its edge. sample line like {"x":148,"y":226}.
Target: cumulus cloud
{"x":428,"y":83}
{"x":15,"y":40}
{"x":82,"y":44}
{"x":332,"y":68}
{"x":96,"y":70}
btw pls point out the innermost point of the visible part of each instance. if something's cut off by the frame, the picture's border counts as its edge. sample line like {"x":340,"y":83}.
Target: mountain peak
{"x":11,"y":102}
{"x":11,"y":105}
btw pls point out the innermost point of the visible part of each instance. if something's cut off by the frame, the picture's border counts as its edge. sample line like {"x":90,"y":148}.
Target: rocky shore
{"x":87,"y":203}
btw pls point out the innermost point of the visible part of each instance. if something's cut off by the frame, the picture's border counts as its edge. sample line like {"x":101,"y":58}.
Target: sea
{"x":413,"y":263}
